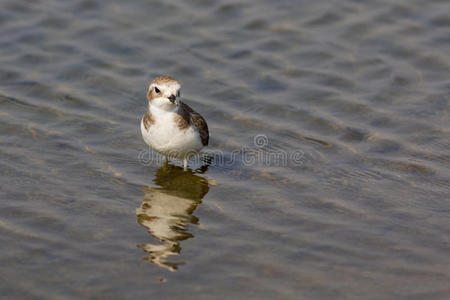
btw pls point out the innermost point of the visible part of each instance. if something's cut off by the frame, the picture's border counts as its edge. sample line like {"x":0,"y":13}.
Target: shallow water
{"x":329,"y":130}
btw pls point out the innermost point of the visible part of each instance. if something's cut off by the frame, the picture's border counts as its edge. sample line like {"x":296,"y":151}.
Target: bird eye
{"x":157,"y":90}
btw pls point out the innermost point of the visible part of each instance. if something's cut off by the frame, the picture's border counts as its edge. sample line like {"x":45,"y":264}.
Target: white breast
{"x":165,"y":137}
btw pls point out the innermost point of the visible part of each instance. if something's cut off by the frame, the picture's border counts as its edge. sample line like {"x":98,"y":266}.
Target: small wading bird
{"x":170,"y":126}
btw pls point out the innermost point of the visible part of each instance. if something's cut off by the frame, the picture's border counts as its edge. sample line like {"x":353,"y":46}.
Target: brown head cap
{"x":164,"y":79}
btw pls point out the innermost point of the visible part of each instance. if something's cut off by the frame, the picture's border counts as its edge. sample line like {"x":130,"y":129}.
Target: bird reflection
{"x":166,"y":210}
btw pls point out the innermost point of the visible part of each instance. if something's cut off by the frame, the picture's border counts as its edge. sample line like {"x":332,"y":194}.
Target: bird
{"x":170,"y":126}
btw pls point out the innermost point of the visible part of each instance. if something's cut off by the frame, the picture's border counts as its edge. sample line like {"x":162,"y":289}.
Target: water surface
{"x":330,"y":126}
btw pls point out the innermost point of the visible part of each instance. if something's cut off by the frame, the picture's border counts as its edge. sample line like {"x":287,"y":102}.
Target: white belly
{"x":165,"y":137}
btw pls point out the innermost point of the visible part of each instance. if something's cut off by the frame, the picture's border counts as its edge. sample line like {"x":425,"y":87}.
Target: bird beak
{"x":172,"y":99}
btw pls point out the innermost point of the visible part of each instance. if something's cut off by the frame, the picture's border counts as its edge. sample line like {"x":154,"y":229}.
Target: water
{"x":329,"y":128}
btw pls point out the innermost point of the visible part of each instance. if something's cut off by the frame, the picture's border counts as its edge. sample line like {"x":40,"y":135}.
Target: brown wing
{"x":198,"y":121}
